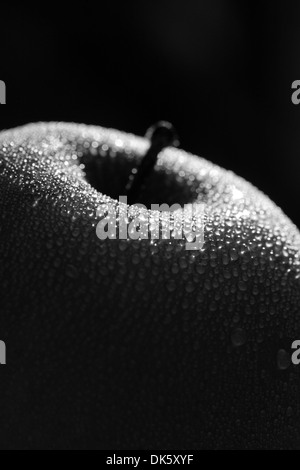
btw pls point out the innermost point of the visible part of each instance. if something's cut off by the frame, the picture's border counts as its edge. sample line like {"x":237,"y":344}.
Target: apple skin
{"x":132,"y":345}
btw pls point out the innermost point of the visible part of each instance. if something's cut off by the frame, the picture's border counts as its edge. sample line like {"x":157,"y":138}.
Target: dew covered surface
{"x":116,"y":344}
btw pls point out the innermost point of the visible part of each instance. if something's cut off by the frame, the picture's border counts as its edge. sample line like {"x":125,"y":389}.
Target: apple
{"x":140,"y":344}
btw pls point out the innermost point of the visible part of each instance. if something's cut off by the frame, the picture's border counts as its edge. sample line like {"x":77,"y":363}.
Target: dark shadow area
{"x":109,"y":175}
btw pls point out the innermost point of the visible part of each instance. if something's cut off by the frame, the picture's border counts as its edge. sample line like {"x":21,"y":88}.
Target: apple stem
{"x":161,"y":135}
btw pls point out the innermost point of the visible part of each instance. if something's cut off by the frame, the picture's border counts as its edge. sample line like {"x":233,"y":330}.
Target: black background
{"x":220,"y":71}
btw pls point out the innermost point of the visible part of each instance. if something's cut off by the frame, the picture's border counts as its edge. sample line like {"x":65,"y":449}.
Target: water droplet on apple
{"x":238,"y":337}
